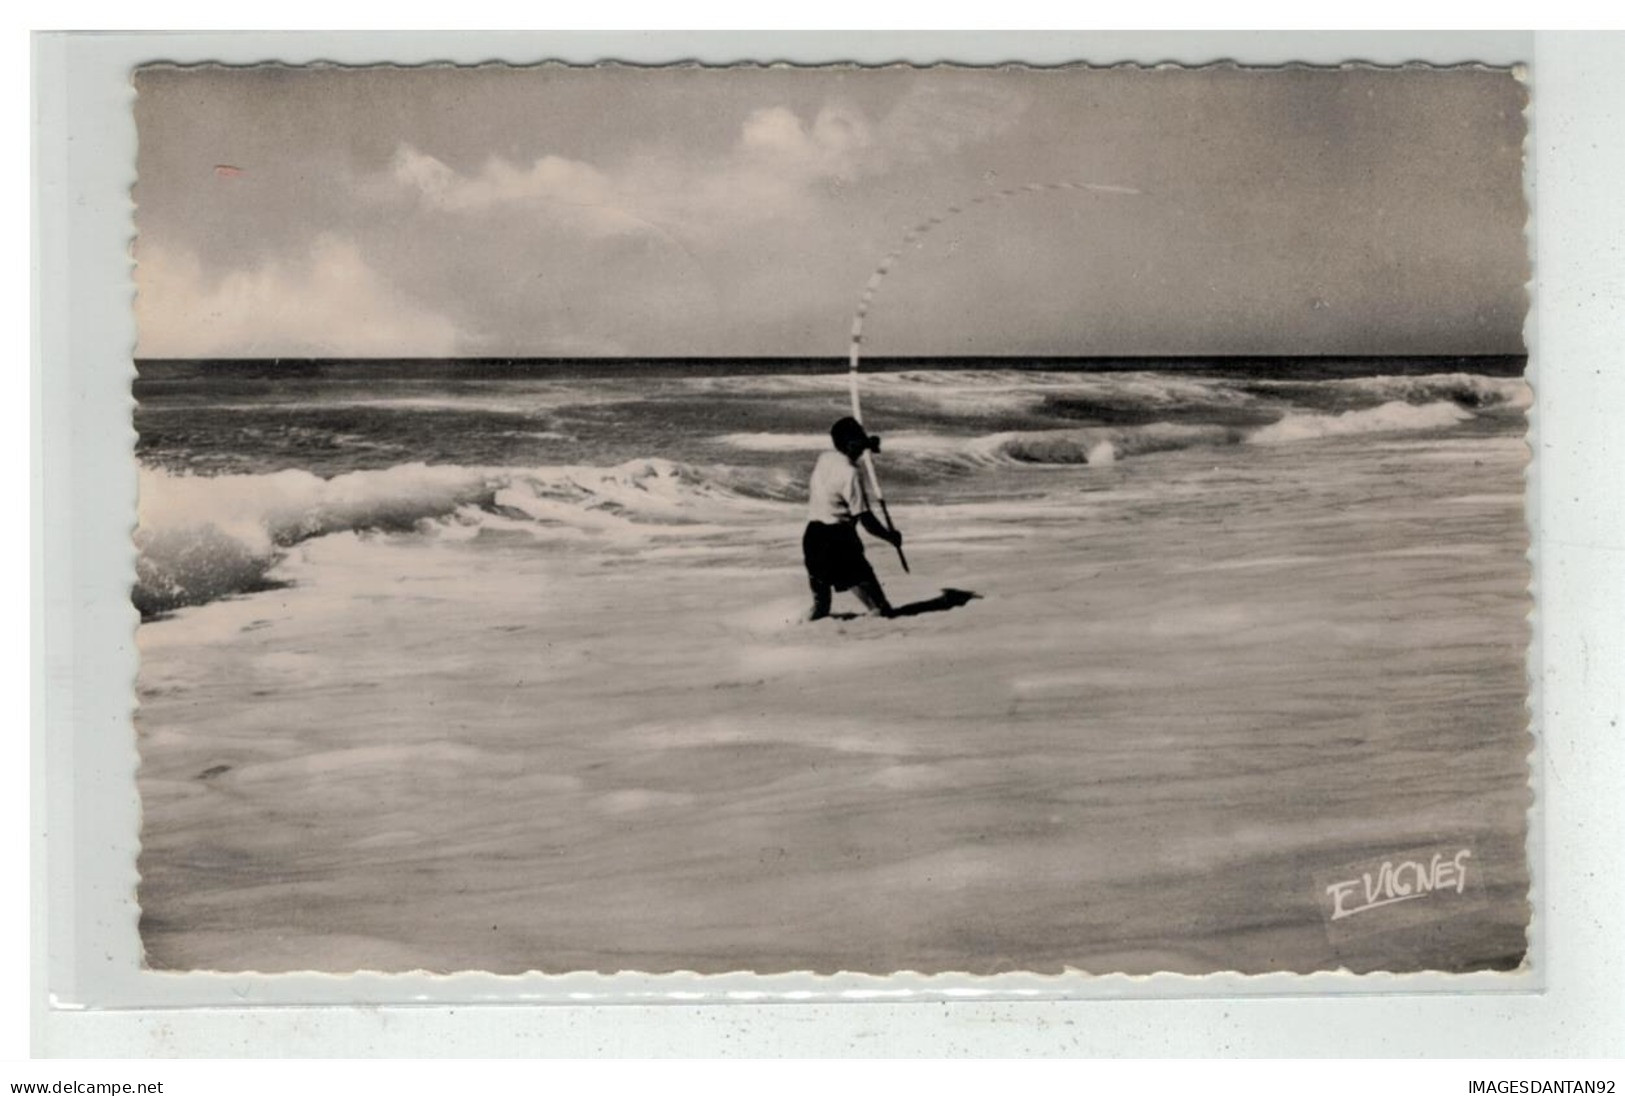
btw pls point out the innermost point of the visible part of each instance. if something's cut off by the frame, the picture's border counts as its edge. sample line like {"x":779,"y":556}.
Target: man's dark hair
{"x":849,"y":430}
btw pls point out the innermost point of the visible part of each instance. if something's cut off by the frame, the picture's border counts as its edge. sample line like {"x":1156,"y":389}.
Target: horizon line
{"x":842,"y":357}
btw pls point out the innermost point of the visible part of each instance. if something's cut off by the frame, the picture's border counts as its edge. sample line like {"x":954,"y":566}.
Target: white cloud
{"x":777,"y":169}
{"x":776,"y":139}
{"x":665,"y":244}
{"x":771,"y":171}
{"x":333,"y":303}
{"x":574,"y":191}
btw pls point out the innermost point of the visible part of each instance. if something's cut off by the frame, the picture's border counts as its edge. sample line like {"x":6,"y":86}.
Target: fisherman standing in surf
{"x":837,"y":502}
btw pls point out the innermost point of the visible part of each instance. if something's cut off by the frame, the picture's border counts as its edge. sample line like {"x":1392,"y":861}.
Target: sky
{"x":556,"y":211}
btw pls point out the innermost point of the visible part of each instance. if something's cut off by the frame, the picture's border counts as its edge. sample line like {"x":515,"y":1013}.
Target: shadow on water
{"x":948,"y":599}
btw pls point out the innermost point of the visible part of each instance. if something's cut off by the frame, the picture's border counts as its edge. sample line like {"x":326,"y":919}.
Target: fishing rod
{"x":910,"y":237}
{"x":866,"y":458}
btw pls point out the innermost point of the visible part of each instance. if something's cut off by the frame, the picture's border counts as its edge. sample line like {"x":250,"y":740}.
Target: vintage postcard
{"x":832,"y":519}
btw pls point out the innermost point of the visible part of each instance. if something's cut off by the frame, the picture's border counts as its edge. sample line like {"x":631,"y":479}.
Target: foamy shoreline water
{"x":1189,"y":685}
{"x":205,"y":535}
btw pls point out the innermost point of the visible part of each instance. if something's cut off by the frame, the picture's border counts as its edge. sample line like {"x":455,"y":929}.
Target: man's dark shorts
{"x":834,"y":555}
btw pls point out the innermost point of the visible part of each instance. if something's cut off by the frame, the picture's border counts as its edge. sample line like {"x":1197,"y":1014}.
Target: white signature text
{"x":1399,"y":882}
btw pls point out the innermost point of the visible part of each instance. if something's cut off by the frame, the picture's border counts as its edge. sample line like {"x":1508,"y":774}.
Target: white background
{"x":1579,"y":240}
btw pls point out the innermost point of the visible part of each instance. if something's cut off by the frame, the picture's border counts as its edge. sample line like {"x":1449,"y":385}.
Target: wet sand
{"x":1188,"y":687}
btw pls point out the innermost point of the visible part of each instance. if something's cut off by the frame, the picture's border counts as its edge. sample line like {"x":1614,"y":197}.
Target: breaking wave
{"x":979,"y":392}
{"x":1469,"y":390}
{"x":205,"y":537}
{"x":1384,"y":418}
{"x":1104,"y":444}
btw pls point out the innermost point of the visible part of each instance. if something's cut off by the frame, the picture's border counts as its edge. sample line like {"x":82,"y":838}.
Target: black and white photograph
{"x":768,"y":518}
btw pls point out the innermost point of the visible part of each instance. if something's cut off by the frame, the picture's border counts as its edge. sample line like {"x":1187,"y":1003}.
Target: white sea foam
{"x":977,"y":392}
{"x":204,"y":537}
{"x":1103,"y":445}
{"x":1085,"y":445}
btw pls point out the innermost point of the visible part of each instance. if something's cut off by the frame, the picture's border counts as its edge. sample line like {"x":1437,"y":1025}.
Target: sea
{"x":242,"y":459}
{"x":505,"y":666}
